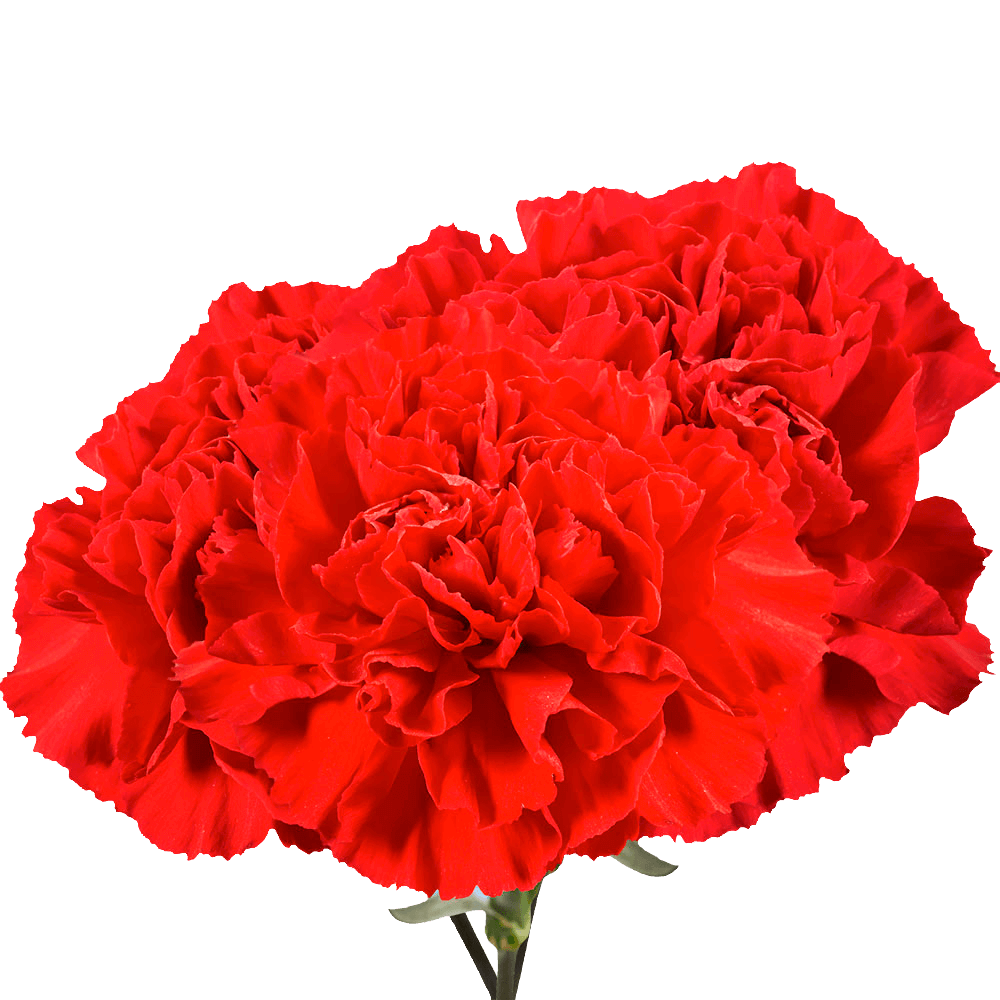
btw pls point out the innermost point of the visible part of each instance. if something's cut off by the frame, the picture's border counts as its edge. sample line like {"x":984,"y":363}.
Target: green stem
{"x":475,"y":948}
{"x":524,"y":947}
{"x":506,"y":975}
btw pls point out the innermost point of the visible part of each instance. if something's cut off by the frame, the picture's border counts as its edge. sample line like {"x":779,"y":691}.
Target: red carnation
{"x":768,"y":312}
{"x":500,"y":557}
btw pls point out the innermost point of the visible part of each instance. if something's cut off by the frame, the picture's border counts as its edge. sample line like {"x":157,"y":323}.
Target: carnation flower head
{"x":503,"y":557}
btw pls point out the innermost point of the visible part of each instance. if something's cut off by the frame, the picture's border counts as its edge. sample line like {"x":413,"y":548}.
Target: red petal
{"x":70,"y":685}
{"x":311,"y":750}
{"x":481,"y":764}
{"x":708,"y":760}
{"x":392,"y":832}
{"x":189,"y":805}
{"x":596,"y":794}
{"x":875,"y":425}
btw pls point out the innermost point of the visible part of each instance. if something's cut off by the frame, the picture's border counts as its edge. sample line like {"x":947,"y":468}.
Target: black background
{"x":878,"y":879}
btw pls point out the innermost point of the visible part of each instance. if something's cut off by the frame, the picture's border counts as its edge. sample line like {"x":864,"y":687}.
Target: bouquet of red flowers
{"x":502,"y":557}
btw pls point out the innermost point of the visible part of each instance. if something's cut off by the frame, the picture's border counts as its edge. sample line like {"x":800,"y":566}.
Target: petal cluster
{"x":502,"y":557}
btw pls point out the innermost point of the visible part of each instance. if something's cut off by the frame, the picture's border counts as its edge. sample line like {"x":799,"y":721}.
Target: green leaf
{"x":641,"y":861}
{"x":436,"y":907}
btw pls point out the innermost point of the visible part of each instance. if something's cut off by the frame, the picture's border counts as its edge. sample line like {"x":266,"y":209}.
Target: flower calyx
{"x":508,"y":916}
